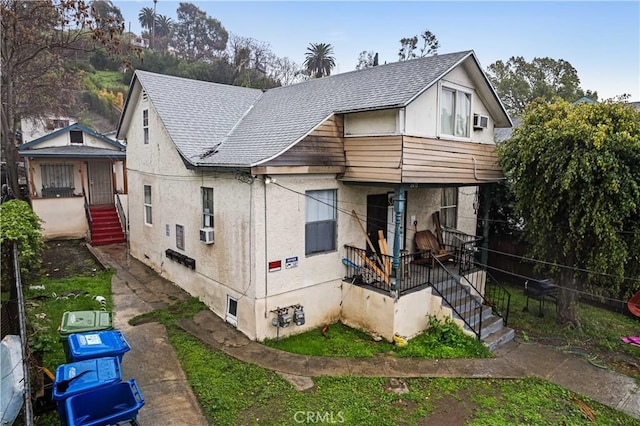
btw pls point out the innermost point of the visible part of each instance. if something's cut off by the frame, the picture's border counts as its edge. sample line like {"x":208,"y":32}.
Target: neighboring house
{"x":74,"y":174}
{"x":257,"y":202}
{"x":31,"y":129}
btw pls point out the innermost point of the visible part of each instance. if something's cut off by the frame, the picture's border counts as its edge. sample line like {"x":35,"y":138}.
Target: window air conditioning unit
{"x":480,"y":121}
{"x":206,"y":235}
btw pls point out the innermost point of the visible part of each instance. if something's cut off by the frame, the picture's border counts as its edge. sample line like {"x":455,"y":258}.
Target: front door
{"x":100,"y":183}
{"x":377,"y":212}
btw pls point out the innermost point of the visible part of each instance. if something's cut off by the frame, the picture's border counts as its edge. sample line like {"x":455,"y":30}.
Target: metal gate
{"x":100,"y":183}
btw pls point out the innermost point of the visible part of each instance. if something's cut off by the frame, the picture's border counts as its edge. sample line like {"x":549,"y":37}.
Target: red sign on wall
{"x":274,"y":266}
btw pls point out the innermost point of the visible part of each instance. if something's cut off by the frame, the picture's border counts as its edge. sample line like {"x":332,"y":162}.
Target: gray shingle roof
{"x":249,"y":127}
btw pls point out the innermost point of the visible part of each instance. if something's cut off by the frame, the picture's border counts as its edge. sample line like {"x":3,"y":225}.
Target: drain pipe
{"x":399,"y":205}
{"x":266,"y":255}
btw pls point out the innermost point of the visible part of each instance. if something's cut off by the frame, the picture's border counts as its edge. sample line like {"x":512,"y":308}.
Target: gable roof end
{"x":77,"y":127}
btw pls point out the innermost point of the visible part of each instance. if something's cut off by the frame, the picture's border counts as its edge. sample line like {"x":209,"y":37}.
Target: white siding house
{"x":260,"y":203}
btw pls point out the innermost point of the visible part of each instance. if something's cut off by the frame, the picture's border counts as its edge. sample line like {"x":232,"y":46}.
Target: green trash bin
{"x":83,"y":321}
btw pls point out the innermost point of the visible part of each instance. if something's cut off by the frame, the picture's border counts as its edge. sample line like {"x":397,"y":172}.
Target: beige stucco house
{"x":76,"y":179}
{"x":265,"y":204}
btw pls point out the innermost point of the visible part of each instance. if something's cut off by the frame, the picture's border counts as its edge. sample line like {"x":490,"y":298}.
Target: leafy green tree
{"x":319,"y":60}
{"x":367,"y":60}
{"x":38,"y":39}
{"x":519,"y":82}
{"x":19,"y":224}
{"x":198,"y":36}
{"x":408,"y":46}
{"x":575,"y":173}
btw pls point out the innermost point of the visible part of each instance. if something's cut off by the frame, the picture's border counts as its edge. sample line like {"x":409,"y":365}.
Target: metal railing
{"x":57,"y":192}
{"x":458,"y":297}
{"x":124,"y":222}
{"x":376,"y":270}
{"x":498,"y":297}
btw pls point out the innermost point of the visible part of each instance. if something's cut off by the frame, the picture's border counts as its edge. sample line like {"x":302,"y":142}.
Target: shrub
{"x":18,"y":223}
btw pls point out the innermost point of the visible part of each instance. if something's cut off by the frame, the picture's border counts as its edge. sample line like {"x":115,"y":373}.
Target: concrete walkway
{"x":169,"y":399}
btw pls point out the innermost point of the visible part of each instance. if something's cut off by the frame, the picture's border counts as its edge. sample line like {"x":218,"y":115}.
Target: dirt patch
{"x":451,"y":410}
{"x":67,"y":258}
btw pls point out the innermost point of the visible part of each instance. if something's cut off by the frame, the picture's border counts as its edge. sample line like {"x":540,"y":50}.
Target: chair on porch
{"x":428,"y":245}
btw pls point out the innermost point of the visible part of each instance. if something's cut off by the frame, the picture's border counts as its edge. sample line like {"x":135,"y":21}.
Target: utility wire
{"x":611,"y":299}
{"x":522,"y":258}
{"x":530,"y":259}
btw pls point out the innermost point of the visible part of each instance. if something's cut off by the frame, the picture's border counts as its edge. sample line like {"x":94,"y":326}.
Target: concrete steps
{"x":493,"y":332}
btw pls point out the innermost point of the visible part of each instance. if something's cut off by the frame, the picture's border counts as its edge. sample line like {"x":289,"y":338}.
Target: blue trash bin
{"x":96,"y":345}
{"x":79,"y":377}
{"x":115,"y":403}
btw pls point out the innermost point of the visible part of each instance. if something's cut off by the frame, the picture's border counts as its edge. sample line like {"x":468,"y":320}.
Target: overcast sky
{"x":600,"y":39}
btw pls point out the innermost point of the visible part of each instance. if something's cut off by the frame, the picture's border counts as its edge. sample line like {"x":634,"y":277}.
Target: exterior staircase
{"x":105,"y":226}
{"x":493,"y":332}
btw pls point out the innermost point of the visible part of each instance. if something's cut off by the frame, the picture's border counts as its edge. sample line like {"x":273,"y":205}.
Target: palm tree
{"x":164,"y":25}
{"x":146,"y":17}
{"x":319,"y":60}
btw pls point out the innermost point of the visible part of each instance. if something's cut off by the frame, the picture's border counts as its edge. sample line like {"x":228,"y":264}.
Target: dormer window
{"x":76,"y":137}
{"x":455,"y":117}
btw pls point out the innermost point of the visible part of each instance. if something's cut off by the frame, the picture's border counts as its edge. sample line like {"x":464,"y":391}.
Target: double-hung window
{"x":455,"y":116}
{"x":320,"y":216}
{"x":145,"y":126}
{"x":449,"y":207}
{"x":148,"y":218}
{"x":207,"y":207}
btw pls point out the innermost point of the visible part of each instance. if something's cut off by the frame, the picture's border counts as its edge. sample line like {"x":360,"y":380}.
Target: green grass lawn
{"x":232,"y":393}
{"x":441,"y":340}
{"x":45,"y":308}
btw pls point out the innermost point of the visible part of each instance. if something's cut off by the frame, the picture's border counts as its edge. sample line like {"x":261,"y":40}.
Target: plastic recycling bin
{"x":83,"y":321}
{"x":79,"y":377}
{"x":109,"y":405}
{"x":97,"y":344}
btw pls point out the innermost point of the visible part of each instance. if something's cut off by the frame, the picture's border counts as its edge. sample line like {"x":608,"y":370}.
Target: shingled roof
{"x":220,"y":125}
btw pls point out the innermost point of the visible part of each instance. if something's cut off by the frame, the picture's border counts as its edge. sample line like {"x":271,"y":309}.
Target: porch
{"x":423,"y":285}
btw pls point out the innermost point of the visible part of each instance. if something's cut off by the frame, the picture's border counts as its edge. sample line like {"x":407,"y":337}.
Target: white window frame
{"x":148,"y":205}
{"x":229,"y":317}
{"x":448,"y":209}
{"x":145,"y":126}
{"x":321,"y":215}
{"x":457,"y":91}
{"x":207,"y":211}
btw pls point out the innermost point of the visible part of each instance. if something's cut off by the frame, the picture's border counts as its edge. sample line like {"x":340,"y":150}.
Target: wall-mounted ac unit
{"x":480,"y":121}
{"x":206,"y":235}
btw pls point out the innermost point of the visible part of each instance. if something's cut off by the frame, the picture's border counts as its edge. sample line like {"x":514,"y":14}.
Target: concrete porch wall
{"x":378,"y":313}
{"x":63,"y":218}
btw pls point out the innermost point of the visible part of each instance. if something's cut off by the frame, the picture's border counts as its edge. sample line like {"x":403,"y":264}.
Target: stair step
{"x":499,"y":338}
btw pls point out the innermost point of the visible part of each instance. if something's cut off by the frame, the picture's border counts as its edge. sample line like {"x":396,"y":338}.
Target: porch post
{"x":398,"y":205}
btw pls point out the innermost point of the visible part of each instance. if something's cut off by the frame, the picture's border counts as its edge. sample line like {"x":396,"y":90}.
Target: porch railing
{"x":465,"y":305}
{"x":124,"y":222}
{"x":498,"y":297}
{"x":376,"y":270}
